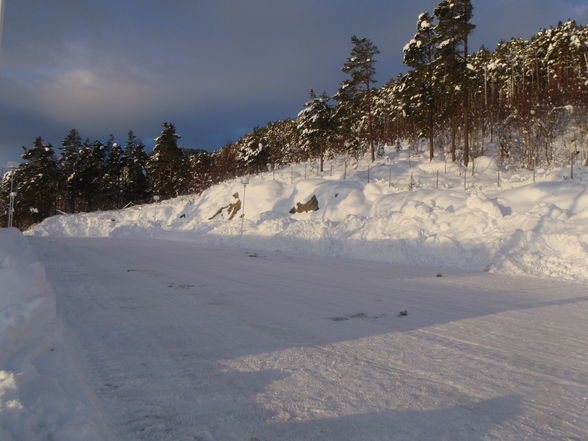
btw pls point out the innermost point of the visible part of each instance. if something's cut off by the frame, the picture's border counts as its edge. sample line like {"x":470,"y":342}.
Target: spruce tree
{"x":253,"y":150}
{"x":201,"y":171}
{"x":88,"y":178}
{"x":38,"y":181}
{"x":315,"y":123}
{"x":166,"y":164}
{"x":70,"y":148}
{"x":113,"y":176}
{"x":136,"y":182}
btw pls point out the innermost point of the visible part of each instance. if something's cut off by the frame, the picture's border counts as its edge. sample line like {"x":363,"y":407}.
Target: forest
{"x":526,"y":99}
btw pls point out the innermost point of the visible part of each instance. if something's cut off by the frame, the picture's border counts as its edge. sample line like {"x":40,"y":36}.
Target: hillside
{"x":404,"y":209}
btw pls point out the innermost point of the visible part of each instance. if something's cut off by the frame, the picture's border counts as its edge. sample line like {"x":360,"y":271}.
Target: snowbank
{"x":39,"y":396}
{"x":403,"y":210}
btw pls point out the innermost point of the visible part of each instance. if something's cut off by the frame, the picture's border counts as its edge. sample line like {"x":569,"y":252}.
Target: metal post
{"x":368,"y":174}
{"x":437,"y":179}
{"x":572,"y":156}
{"x":244,"y":181}
{"x":11,"y":203}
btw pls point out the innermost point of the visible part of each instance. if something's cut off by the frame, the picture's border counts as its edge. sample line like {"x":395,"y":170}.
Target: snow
{"x":386,"y":314}
{"x":182,"y":341}
{"x":445,"y":43}
{"x":408,"y":45}
{"x":38,"y":389}
{"x":520,"y":227}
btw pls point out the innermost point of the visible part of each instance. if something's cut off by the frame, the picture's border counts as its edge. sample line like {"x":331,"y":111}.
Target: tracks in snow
{"x":182,"y":342}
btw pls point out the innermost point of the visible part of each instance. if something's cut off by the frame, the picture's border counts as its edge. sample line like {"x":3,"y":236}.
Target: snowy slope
{"x":40,"y":394}
{"x":410,"y":211}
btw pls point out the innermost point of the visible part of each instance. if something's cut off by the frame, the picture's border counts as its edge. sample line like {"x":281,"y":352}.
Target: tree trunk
{"x":466,"y":107}
{"x":370,"y":124}
{"x":453,"y":135}
{"x":431,"y":134}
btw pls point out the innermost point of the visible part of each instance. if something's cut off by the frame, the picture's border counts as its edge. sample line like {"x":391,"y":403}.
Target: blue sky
{"x":215,"y":68}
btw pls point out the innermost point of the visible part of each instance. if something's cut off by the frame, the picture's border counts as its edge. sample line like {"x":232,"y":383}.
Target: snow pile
{"x":401,"y":209}
{"x":35,"y":383}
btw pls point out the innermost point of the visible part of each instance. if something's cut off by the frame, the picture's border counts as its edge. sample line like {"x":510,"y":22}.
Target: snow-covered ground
{"x":41,"y":395}
{"x":493,"y":221}
{"x":395,"y":311}
{"x":181,"y":341}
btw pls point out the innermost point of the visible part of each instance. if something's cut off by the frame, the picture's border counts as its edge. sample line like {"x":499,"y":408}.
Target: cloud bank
{"x":215,"y":68}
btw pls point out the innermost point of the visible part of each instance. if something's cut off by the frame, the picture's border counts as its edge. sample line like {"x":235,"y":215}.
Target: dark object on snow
{"x":112,"y":220}
{"x":182,"y":216}
{"x":338,"y":319}
{"x":359,"y":315}
{"x":310,"y":205}
{"x":402,"y":313}
{"x":232,"y":209}
{"x":439,"y":275}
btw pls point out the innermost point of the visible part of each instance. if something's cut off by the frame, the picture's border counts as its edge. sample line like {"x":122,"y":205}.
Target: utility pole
{"x":12,"y":166}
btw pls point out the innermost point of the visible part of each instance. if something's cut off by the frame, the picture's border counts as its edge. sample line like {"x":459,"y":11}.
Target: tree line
{"x":528,"y":97}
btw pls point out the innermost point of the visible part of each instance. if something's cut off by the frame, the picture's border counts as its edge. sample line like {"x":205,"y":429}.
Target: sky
{"x":215,"y":68}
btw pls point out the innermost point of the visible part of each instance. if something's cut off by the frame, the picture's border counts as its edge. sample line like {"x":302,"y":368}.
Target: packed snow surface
{"x":40,"y":395}
{"x":183,"y":341}
{"x":401,"y":209}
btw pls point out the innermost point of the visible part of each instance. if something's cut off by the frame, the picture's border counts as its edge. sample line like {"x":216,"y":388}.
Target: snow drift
{"x":39,"y":393}
{"x":400,"y":209}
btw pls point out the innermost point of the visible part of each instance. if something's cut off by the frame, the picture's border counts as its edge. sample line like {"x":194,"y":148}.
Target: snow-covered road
{"x":188,"y":342}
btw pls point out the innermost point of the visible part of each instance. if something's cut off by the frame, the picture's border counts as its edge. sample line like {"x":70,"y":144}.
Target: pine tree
{"x":346,"y":119}
{"x":355,"y":95}
{"x":453,"y":30}
{"x":420,"y":54}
